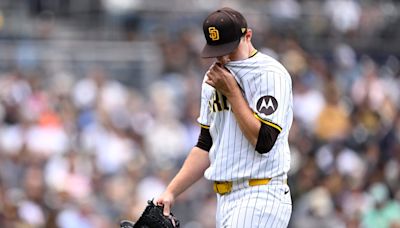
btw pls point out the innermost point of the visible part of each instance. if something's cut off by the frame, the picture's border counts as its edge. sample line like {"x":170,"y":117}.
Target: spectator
{"x":385,"y":212}
{"x":80,"y":138}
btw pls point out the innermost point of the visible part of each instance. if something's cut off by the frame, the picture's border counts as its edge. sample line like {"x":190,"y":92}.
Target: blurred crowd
{"x":85,"y":150}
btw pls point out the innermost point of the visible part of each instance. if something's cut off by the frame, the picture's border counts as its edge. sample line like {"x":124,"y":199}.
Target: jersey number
{"x":218,"y":103}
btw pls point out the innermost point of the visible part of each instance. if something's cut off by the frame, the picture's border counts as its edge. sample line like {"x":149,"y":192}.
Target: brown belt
{"x":224,"y":187}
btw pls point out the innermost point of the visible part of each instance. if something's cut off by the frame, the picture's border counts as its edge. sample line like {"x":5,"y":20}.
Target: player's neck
{"x":251,"y":51}
{"x":243,"y":54}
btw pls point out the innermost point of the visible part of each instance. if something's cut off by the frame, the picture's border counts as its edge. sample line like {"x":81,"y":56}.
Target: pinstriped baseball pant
{"x":255,"y":207}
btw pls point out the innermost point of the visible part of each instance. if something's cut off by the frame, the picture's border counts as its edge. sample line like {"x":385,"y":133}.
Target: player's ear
{"x":249,"y":34}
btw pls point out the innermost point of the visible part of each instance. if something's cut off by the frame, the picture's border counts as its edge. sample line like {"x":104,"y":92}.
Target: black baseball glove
{"x":152,"y":217}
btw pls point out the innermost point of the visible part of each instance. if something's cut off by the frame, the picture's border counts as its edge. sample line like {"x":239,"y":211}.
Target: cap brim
{"x":211,"y":51}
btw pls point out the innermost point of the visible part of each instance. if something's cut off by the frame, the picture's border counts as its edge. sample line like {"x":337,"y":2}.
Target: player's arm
{"x":196,"y":162}
{"x":259,"y":134}
{"x":192,"y":170}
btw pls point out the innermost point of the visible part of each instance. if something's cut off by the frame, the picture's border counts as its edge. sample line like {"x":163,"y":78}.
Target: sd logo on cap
{"x":223,"y":29}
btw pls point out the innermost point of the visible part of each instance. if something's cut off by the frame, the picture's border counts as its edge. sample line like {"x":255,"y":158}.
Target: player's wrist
{"x":171,"y":193}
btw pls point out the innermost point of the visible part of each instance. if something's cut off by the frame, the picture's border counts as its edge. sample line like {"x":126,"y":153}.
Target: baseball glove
{"x":152,"y":217}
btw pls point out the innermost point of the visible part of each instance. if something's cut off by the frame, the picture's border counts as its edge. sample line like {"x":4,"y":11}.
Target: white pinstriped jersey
{"x":267,"y":88}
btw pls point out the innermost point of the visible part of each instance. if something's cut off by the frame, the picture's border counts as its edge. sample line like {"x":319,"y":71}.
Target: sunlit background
{"x":99,"y":100}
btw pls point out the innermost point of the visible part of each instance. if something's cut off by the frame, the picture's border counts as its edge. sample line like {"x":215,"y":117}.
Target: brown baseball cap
{"x":223,"y":29}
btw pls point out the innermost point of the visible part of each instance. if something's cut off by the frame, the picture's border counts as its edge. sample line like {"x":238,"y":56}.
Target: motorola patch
{"x":267,"y":105}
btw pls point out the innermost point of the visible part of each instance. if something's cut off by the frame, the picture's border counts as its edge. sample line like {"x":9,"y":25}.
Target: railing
{"x":135,"y":63}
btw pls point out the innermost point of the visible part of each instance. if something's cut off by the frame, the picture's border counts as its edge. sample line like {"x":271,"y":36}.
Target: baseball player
{"x":245,"y":118}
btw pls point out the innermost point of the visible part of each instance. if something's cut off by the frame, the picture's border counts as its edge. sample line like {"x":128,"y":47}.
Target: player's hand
{"x":221,"y":79}
{"x":166,"y":200}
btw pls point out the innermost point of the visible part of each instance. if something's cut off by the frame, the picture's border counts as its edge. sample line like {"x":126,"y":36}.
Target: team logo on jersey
{"x":267,"y":105}
{"x":214,"y":33}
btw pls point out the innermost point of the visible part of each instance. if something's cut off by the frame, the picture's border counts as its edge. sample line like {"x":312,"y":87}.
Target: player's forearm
{"x":249,"y":125}
{"x":192,"y":170}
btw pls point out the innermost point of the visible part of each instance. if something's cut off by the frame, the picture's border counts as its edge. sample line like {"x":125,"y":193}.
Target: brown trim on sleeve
{"x":267,"y":137}
{"x":205,"y":141}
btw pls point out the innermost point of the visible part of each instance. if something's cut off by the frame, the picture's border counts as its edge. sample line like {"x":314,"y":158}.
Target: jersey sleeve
{"x":204,"y":118}
{"x":269,"y":99}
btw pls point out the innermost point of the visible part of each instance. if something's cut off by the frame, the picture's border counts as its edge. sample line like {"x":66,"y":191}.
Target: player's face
{"x":223,"y":59}
{"x":241,"y":52}
{"x":230,"y":57}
